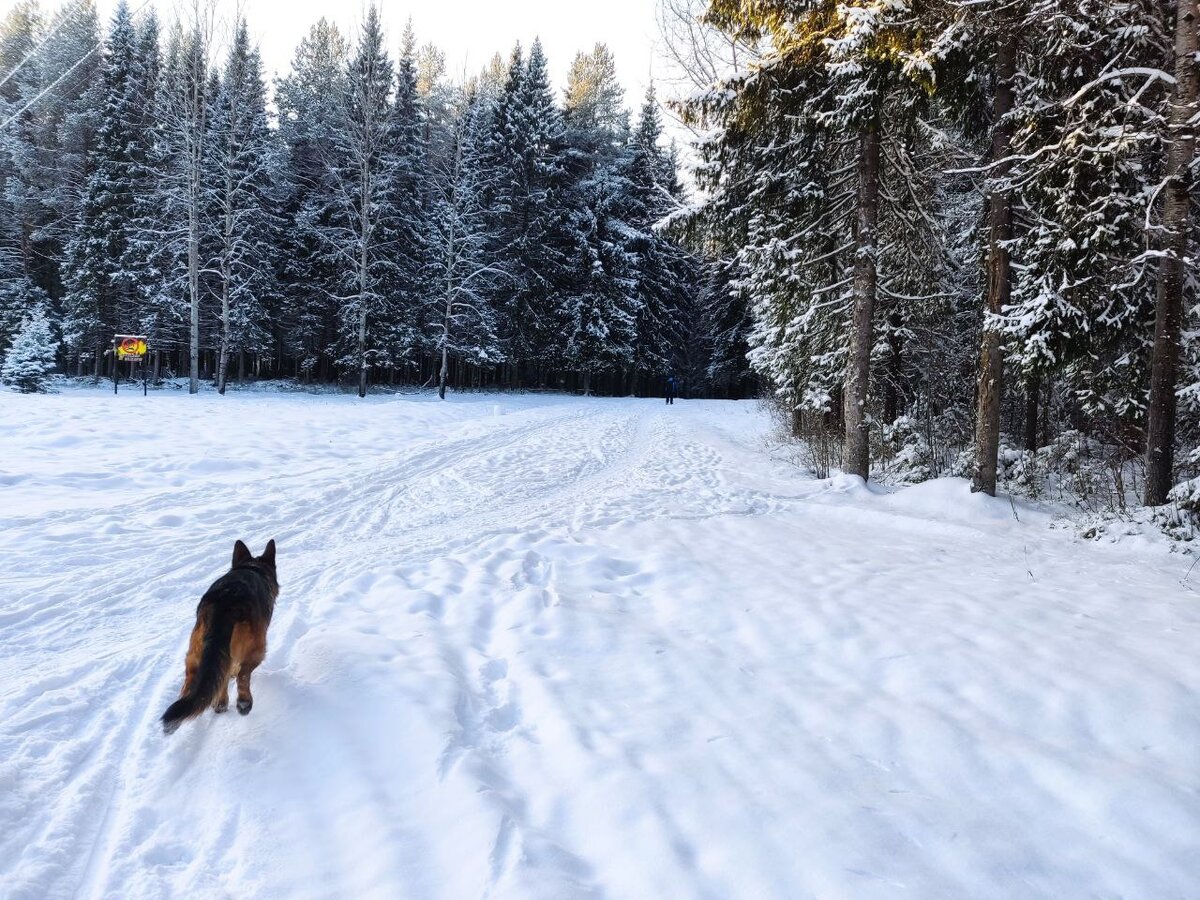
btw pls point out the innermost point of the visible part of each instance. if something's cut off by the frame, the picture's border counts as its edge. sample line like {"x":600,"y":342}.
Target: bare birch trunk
{"x":194,"y":297}
{"x":364,"y":261}
{"x":194,"y":125}
{"x":226,"y":275}
{"x":223,"y":362}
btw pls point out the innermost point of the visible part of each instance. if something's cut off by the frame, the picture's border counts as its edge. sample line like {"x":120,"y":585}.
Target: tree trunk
{"x":451,"y":251}
{"x":991,"y":360}
{"x":1168,"y":313}
{"x":363,"y":270}
{"x":227,"y":232}
{"x":891,"y":389}
{"x":857,"y":449}
{"x":195,"y":127}
{"x":194,"y":298}
{"x":223,"y":361}
{"x":1032,"y":409}
{"x":1031,"y":413}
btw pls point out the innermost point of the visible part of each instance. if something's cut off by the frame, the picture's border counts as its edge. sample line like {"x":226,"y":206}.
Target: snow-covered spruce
{"x":30,"y":359}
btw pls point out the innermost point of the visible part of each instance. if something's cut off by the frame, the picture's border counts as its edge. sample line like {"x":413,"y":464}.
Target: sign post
{"x":131,"y":348}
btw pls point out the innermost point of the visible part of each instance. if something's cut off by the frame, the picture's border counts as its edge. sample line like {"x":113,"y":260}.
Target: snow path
{"x":539,"y":647}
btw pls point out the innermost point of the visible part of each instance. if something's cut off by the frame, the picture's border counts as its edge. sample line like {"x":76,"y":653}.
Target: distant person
{"x":670,"y":389}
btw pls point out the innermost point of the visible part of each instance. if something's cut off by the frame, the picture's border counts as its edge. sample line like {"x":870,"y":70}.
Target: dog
{"x":230,"y":637}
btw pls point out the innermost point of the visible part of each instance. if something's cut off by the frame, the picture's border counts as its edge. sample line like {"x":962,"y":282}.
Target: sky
{"x":467,"y":31}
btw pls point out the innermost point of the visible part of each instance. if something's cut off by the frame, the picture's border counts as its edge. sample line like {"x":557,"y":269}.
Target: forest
{"x":938,"y":237}
{"x":363,"y":220}
{"x":965,"y":232}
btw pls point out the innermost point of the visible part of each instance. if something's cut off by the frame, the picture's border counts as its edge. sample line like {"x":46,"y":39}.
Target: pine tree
{"x":1070,"y":212}
{"x":724,"y":325}
{"x":594,"y":113}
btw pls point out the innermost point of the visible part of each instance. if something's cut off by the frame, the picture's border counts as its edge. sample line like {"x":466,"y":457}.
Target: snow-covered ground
{"x":543,"y":647}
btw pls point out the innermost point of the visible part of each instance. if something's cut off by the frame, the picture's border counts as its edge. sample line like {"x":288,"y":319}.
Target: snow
{"x":550,"y":647}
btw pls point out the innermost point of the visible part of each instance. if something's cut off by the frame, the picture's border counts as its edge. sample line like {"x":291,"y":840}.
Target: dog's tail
{"x":212,"y":675}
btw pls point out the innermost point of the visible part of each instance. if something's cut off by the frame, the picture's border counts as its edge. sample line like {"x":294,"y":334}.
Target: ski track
{"x":543,"y":647}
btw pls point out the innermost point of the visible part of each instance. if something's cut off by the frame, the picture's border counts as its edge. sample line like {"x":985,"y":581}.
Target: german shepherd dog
{"x":230,"y":637}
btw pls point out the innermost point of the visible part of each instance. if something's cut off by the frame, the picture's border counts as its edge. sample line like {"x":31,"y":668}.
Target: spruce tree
{"x":310,"y":119}
{"x":72,"y":52}
{"x":403,"y":220}
{"x":20,"y":211}
{"x":100,"y":291}
{"x":30,"y":359}
{"x":802,"y":177}
{"x":660,"y":268}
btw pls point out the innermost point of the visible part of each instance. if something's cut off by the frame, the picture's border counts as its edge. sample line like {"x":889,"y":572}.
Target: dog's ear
{"x":269,"y":554}
{"x":241,"y":553}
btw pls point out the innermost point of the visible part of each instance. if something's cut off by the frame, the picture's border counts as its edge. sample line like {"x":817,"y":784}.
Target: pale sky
{"x":467,"y":31}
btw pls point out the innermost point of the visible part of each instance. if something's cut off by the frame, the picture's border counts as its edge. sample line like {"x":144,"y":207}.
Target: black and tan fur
{"x":230,"y":637}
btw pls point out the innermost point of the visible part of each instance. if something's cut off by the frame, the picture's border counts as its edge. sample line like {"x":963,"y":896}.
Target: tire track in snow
{"x":79,"y":617}
{"x":378,"y":512}
{"x":557,"y":659}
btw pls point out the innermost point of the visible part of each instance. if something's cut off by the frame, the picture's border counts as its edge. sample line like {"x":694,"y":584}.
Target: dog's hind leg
{"x":250,"y":646}
{"x":192,"y":663}
{"x":245,"y":699}
{"x":221,"y":701}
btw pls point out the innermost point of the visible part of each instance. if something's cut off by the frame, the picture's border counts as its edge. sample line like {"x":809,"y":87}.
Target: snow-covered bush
{"x":923,"y":445}
{"x":1073,"y":468}
{"x":30,"y":359}
{"x":908,"y":457}
{"x":1180,"y":519}
{"x":816,"y":435}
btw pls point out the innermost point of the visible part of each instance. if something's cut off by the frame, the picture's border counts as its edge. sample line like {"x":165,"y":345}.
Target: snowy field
{"x":543,"y":647}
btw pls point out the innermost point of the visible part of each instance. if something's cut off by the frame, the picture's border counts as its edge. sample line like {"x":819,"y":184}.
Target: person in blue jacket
{"x":670,"y":389}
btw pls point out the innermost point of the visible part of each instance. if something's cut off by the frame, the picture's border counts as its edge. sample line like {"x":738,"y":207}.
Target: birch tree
{"x":463,"y":320}
{"x":172,"y":225}
{"x":359,"y":164}
{"x":241,"y":166}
